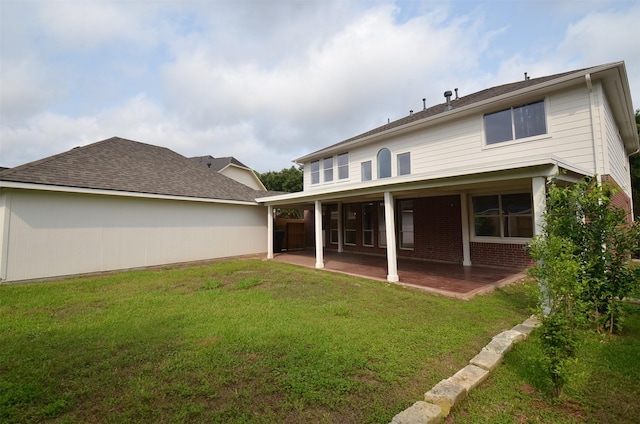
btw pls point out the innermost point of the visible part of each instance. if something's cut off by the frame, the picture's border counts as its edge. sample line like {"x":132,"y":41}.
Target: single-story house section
{"x":120,"y":204}
{"x":464,"y":181}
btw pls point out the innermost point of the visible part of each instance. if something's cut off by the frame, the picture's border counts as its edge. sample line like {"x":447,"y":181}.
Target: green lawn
{"x":237,"y":341}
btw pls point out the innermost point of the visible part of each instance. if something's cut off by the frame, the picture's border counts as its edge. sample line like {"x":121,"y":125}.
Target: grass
{"x":603,"y":387}
{"x":235,"y":341}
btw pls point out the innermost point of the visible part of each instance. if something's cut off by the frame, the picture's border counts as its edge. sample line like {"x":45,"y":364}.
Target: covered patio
{"x":447,"y":279}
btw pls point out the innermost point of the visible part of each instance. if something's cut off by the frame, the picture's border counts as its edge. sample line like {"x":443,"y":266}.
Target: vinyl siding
{"x":618,"y":161}
{"x":460,"y":144}
{"x":55,"y":234}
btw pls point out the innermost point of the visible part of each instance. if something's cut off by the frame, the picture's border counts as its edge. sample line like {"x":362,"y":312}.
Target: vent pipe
{"x":456,"y":90}
{"x":526,"y":77}
{"x":447,"y":95}
{"x":410,"y":112}
{"x":424,"y":103}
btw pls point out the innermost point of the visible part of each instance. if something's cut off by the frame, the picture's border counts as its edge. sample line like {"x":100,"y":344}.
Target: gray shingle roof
{"x":462,"y":101}
{"x":126,"y":165}
{"x":217,"y":164}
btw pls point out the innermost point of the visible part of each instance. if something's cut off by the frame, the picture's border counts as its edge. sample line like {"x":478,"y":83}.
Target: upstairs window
{"x":366,"y":170}
{"x":384,"y":163}
{"x":515,"y":123}
{"x":503,"y":216}
{"x":315,"y":172}
{"x":404,"y":163}
{"x":343,"y":166}
{"x":327,"y":167}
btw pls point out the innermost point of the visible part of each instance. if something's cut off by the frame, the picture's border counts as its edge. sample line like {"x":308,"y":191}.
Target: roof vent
{"x":424,"y":104}
{"x":447,"y":95}
{"x":410,"y":113}
{"x":456,"y":90}
{"x":526,"y":77}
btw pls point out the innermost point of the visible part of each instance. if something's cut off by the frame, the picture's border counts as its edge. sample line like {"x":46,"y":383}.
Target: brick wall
{"x":500,"y":254}
{"x":620,"y":199}
{"x":437,"y":229}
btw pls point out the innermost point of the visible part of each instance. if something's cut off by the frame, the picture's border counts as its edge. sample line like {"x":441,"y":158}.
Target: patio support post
{"x":464,"y":215}
{"x":539,"y":194}
{"x":318,"y":228}
{"x":340,"y":240}
{"x":269,"y":232}
{"x":390,"y":223}
{"x":538,"y":185}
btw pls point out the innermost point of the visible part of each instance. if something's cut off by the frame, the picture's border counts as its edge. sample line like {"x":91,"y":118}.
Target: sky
{"x":268,"y":81}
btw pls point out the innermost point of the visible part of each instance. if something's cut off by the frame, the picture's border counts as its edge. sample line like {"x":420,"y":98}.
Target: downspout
{"x":596,"y":168}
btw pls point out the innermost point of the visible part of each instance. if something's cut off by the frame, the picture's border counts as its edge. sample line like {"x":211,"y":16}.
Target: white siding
{"x":460,"y":143}
{"x":244,"y":176}
{"x":54,"y":234}
{"x":618,"y":164}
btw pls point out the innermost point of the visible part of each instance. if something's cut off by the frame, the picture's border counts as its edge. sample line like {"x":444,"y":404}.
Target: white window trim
{"x":347,"y":166}
{"x":495,"y":240}
{"x":544,"y":136}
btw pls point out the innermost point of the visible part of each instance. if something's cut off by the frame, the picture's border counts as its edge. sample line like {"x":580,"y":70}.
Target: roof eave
{"x":119,"y":193}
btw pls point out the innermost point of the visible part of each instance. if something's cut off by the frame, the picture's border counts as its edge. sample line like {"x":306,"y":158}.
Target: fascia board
{"x":78,"y":190}
{"x":459,"y":112}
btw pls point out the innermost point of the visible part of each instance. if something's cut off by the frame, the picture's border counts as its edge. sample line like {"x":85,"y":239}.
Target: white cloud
{"x":270,"y":81}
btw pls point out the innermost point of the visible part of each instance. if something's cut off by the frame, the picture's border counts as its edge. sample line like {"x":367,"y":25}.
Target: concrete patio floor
{"x":453,"y":280}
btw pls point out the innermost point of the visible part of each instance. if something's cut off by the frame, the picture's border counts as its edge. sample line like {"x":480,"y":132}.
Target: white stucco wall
{"x":49,"y":234}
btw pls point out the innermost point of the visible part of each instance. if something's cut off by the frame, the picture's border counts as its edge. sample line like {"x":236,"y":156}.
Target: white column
{"x":269,"y":232}
{"x":5,"y":222}
{"x":390,"y":223}
{"x":340,"y":230}
{"x":538,"y":185}
{"x":318,"y":228}
{"x":466,"y":244}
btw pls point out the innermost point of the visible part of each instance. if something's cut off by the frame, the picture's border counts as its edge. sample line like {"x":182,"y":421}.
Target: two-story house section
{"x":464,"y":181}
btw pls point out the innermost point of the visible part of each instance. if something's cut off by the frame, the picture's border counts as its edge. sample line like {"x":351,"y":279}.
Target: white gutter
{"x":78,"y":190}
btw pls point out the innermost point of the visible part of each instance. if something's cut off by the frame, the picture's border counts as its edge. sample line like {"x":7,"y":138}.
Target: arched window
{"x":384,"y":163}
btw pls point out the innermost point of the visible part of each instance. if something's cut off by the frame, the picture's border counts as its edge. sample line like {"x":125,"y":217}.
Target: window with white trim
{"x":350,"y":215}
{"x":406,"y":224}
{"x":404,"y":163}
{"x":382,"y":226}
{"x":384,"y":163}
{"x":503,"y":216}
{"x":343,"y":166}
{"x":367,"y":224}
{"x":327,"y":167}
{"x":333,"y":224}
{"x":515,"y":123}
{"x":366,"y":170}
{"x":315,"y":172}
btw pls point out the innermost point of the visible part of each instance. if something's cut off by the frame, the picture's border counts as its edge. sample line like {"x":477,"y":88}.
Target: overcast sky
{"x":269,"y":81}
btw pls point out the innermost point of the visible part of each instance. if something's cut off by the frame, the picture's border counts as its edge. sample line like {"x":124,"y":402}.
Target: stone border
{"x":442,"y":397}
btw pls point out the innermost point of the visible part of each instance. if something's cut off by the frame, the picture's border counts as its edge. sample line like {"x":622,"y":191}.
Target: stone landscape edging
{"x":442,"y":397}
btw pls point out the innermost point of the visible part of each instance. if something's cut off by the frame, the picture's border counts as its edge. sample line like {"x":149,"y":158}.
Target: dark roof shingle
{"x":217,"y":164}
{"x":126,"y":165}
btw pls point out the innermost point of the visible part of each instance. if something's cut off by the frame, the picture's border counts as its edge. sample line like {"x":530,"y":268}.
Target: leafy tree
{"x":288,"y":180}
{"x":562,"y":292}
{"x":583,"y":267}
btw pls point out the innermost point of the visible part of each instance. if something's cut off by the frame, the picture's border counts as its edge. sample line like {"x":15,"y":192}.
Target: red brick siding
{"x":437,"y":229}
{"x":500,"y":254}
{"x":620,"y":199}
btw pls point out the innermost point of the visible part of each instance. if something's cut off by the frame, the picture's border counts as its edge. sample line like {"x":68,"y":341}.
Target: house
{"x":120,"y":204}
{"x":464,"y":181}
{"x":232,"y":168}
